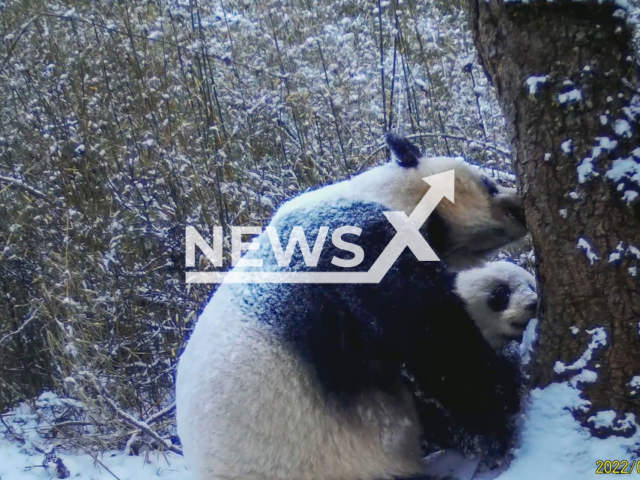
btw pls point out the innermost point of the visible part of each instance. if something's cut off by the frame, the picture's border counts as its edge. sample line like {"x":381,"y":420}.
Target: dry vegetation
{"x":121,"y":122}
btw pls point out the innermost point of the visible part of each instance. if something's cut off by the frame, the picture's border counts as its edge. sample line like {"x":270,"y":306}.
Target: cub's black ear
{"x":403,"y":151}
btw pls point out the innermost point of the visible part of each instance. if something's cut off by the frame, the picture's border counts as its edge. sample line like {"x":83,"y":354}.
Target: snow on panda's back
{"x":501,"y":298}
{"x":484,"y":216}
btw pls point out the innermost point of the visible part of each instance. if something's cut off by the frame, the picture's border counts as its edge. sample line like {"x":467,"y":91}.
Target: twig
{"x":488,"y":146}
{"x":21,"y":327}
{"x":71,"y":423}
{"x":225,"y":59}
{"x":333,"y":107}
{"x":393,"y":80}
{"x":165,"y":411}
{"x":93,"y":455}
{"x":15,"y":43}
{"x":127,"y":447}
{"x":384,"y":100}
{"x":128,"y":419}
{"x":17,"y":183}
{"x":142,"y":426}
{"x":95,"y":459}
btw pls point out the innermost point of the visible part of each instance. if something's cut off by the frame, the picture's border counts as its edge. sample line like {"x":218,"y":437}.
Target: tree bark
{"x":582,"y":206}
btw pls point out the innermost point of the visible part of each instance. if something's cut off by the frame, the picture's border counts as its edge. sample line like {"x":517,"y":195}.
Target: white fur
{"x":399,"y":188}
{"x":474,"y":287}
{"x":248,"y":409}
{"x":395,"y":187}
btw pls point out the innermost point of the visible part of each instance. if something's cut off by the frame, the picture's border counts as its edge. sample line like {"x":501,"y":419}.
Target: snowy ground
{"x":18,"y":464}
{"x":554,"y":446}
{"x":27,"y":454}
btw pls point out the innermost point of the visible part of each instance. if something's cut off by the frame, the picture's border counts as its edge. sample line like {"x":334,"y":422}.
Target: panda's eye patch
{"x":499,"y":299}
{"x":491,"y":187}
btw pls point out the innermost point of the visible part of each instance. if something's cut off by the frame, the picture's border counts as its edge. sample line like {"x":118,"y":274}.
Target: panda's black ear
{"x":403,"y":151}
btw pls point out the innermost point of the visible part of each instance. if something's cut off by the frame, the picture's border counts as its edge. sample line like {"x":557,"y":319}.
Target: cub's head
{"x":484,"y":217}
{"x":501,"y":298}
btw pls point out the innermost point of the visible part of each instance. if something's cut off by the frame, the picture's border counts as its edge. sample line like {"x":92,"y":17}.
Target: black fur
{"x":406,"y":153}
{"x":439,"y":234}
{"x":358,"y":338}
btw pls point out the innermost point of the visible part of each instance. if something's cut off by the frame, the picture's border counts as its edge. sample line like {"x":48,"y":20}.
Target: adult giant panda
{"x":304,"y":381}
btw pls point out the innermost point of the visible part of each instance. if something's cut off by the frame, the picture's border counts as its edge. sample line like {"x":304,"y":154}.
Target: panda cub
{"x":305,"y":381}
{"x":500,"y":298}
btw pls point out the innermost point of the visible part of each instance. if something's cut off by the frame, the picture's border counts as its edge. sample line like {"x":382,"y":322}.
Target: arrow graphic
{"x":407,"y":235}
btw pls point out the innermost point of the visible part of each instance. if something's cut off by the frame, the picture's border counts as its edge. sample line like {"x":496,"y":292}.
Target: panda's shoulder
{"x":323,"y":195}
{"x":366,"y":215}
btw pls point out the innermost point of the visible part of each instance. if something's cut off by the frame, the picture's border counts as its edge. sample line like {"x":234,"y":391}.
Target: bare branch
{"x":462,"y":138}
{"x":22,"y":327}
{"x":128,"y":419}
{"x":17,"y":183}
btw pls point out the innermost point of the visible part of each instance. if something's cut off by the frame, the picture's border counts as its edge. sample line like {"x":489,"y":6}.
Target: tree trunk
{"x":566,"y":78}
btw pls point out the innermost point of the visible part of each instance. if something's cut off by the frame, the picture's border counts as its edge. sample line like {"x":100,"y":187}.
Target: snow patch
{"x":572,"y":96}
{"x":567,"y":147}
{"x":528,"y":339}
{"x":585,"y":169}
{"x":629,"y":196}
{"x":625,"y":169}
{"x":17,"y":464}
{"x":598,"y":340}
{"x":617,"y":255}
{"x":534,"y":83}
{"x":588,"y":250}
{"x":622,"y":128}
{"x":585,"y":376}
{"x":603,"y":419}
{"x":555,"y":446}
{"x":606,"y":419}
{"x":605,"y":143}
{"x":27,"y":451}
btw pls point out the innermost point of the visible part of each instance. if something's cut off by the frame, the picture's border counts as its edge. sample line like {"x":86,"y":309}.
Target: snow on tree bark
{"x":566,"y":78}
